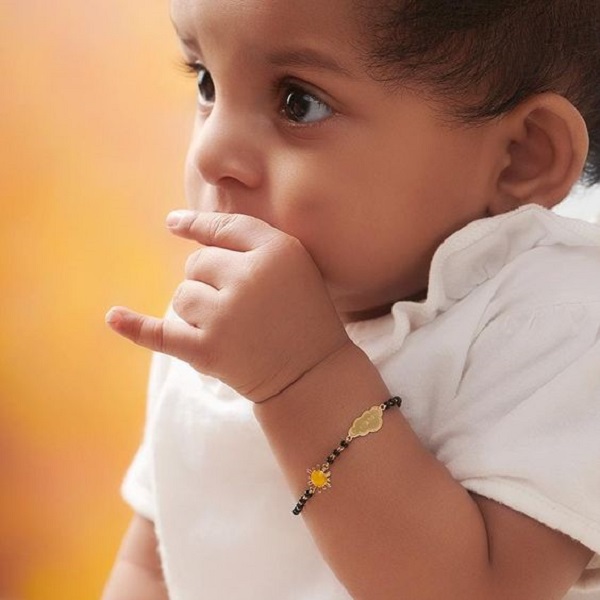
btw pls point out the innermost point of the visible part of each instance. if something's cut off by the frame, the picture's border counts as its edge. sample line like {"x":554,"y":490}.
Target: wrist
{"x":306,"y":420}
{"x":346,"y":363}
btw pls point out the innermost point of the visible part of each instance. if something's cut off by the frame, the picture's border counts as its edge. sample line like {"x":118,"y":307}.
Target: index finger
{"x":175,"y":338}
{"x":225,"y":230}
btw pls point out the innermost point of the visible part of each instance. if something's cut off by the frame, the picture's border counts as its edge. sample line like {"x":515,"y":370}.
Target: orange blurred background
{"x":94,"y":122}
{"x":94,"y":119}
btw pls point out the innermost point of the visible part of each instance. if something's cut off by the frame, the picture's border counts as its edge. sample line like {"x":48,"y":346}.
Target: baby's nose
{"x":226,"y":145}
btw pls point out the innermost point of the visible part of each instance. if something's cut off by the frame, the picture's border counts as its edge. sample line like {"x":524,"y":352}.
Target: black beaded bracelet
{"x":319,"y":477}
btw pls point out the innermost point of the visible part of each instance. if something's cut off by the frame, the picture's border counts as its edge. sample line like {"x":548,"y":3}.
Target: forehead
{"x":256,"y":23}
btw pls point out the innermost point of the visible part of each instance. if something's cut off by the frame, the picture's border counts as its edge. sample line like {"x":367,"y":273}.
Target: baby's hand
{"x":256,"y":310}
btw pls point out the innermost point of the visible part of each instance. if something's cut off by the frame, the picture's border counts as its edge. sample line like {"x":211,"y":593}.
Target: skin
{"x":301,"y":227}
{"x":415,"y":179}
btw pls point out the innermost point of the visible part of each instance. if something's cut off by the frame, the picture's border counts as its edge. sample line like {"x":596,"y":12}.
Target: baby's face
{"x":291,"y":129}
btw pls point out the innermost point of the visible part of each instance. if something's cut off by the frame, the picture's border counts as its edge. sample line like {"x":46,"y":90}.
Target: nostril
{"x":224,"y":163}
{"x":229,"y":144}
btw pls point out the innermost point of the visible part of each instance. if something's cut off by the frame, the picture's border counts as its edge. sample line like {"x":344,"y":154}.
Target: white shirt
{"x":499,"y":371}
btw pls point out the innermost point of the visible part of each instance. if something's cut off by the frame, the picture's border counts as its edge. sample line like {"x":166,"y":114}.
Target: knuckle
{"x":221,"y":307}
{"x":183,"y":300}
{"x":292,"y":244}
{"x":154,"y":333}
{"x":256,"y":271}
{"x":191,"y":222}
{"x":192,"y":263}
{"x":283,"y":243}
{"x":288,"y":248}
{"x":223,"y":225}
{"x":158,"y":335}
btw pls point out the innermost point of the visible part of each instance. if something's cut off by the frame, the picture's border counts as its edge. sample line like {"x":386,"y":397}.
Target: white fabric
{"x":499,"y":370}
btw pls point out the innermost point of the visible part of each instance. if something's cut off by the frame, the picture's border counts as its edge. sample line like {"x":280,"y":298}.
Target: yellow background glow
{"x":94,"y":122}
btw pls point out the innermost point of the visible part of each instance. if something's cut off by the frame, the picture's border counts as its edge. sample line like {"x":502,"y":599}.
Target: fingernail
{"x":113,"y":317}
{"x":175,"y":217}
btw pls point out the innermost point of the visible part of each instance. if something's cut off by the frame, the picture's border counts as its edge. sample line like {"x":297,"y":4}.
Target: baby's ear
{"x":545,"y":146}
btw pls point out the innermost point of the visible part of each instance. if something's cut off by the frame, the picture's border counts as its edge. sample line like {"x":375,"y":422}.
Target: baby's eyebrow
{"x":306,"y":57}
{"x":301,"y":57}
{"x":189,"y":42}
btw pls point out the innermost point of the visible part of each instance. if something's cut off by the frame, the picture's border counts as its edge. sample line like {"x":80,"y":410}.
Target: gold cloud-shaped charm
{"x":369,"y":422}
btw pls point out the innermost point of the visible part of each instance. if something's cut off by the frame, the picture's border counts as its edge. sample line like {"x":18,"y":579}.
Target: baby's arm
{"x":255,"y":313}
{"x":137,"y":572}
{"x":416,"y":533}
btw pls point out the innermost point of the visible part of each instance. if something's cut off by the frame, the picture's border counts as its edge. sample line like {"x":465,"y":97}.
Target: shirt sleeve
{"x":137,"y":488}
{"x":524,"y":426}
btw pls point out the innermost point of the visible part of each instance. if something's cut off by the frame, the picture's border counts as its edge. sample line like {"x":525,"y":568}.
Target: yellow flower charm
{"x":319,"y":477}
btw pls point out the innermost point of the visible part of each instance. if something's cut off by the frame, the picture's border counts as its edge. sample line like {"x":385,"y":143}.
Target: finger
{"x":195,"y":302}
{"x":159,"y":335}
{"x":231,"y":231}
{"x":211,"y":265}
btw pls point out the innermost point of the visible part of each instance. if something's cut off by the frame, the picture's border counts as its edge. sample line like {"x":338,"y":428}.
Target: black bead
{"x":395,"y":401}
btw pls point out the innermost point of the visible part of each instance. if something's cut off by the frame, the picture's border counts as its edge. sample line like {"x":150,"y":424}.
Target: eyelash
{"x":188,"y":67}
{"x":279,"y":88}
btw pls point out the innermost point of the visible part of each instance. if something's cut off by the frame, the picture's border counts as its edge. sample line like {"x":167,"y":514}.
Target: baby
{"x":376,"y":273}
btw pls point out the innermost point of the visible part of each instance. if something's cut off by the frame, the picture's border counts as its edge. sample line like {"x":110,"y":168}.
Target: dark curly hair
{"x":484,"y":57}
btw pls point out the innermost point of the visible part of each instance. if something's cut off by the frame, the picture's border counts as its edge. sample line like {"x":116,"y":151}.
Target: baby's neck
{"x":380,"y":311}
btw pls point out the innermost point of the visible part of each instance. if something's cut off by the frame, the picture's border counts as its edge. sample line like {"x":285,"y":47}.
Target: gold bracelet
{"x":319,"y":477}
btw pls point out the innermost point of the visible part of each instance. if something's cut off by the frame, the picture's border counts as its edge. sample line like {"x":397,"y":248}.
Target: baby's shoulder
{"x":549,"y":277}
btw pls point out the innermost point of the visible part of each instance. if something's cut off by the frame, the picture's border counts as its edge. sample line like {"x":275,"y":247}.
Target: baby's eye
{"x":206,"y":86}
{"x":301,"y":106}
